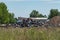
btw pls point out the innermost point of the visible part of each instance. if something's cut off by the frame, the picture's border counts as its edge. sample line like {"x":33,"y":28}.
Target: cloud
{"x":24,"y":0}
{"x":55,"y":2}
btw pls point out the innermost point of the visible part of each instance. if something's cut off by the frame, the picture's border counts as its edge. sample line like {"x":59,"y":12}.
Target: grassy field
{"x":34,"y":33}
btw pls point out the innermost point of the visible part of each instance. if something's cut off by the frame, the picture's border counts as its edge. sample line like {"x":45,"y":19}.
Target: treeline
{"x":53,"y":12}
{"x":8,"y":17}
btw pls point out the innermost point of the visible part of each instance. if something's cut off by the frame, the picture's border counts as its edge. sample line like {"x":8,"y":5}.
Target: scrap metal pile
{"x":29,"y":22}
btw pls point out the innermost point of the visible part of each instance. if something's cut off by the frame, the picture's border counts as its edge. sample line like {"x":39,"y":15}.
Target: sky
{"x":22,"y":8}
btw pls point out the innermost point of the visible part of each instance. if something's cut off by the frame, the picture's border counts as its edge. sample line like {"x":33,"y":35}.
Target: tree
{"x":5,"y":15}
{"x":53,"y":12}
{"x":12,"y":19}
{"x":40,"y":15}
{"x":45,"y":16}
{"x":59,"y":14}
{"x":35,"y":13}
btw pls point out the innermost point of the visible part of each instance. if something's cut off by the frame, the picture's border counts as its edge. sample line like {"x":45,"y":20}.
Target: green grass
{"x":41,"y":33}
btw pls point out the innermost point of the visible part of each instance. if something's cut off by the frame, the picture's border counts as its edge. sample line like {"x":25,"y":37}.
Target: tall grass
{"x":38,"y":33}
